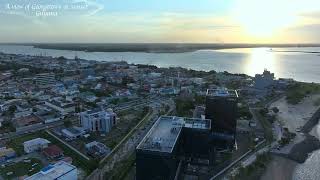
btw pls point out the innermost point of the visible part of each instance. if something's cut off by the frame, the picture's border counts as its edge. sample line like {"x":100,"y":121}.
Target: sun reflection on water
{"x":260,"y":59}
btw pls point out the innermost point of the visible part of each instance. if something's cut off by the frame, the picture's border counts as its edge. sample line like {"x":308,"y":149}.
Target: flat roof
{"x":36,"y":141}
{"x":222,"y":92}
{"x":163,"y":135}
{"x":53,"y":171}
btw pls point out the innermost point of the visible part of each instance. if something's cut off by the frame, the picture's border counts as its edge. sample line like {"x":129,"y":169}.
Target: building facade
{"x":98,"y":120}
{"x":35,"y":145}
{"x":171,"y":138}
{"x":221,"y":108}
{"x":45,"y":79}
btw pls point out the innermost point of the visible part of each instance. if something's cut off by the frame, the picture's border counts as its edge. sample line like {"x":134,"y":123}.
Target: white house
{"x":35,"y":145}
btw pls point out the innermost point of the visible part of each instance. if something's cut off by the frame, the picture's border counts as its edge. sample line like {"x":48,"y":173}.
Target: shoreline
{"x":154,"y":47}
{"x":300,"y":152}
{"x":162,"y":60}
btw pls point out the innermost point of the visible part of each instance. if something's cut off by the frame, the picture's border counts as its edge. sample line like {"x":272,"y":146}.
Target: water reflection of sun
{"x":260,"y":59}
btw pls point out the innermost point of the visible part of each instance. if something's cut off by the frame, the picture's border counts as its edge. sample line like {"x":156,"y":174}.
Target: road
{"x":251,"y":156}
{"x":30,"y":130}
{"x":129,"y":143}
{"x":74,"y":149}
{"x":121,"y":107}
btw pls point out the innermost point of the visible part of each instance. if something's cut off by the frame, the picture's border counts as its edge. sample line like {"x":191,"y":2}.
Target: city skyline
{"x":231,"y":21}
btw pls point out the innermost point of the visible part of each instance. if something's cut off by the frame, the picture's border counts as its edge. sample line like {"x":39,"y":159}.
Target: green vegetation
{"x":77,"y":160}
{"x":7,"y":126}
{"x":184,"y":106}
{"x":287,"y":137}
{"x":10,"y":112}
{"x":120,"y":171}
{"x":128,"y":120}
{"x":261,"y":116}
{"x":87,"y":166}
{"x":297,"y":92}
{"x":199,"y":99}
{"x":17,"y":143}
{"x":67,"y":123}
{"x":255,"y":170}
{"x":275,"y":109}
{"x":116,"y":101}
{"x":15,"y":67}
{"x":21,"y":168}
{"x":244,"y":112}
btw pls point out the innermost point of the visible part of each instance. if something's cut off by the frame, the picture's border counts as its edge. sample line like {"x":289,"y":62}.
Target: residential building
{"x":53,"y":152}
{"x":73,"y":132}
{"x":26,"y":121}
{"x":45,"y":79}
{"x":97,"y":149}
{"x":35,"y":145}
{"x":61,"y":105}
{"x":59,"y":171}
{"x":98,"y":120}
{"x":264,"y":80}
{"x":6,"y":154}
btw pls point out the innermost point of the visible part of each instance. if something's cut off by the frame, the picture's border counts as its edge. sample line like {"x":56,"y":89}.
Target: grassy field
{"x":17,"y":143}
{"x":122,"y":168}
{"x":297,"y":92}
{"x":255,"y":170}
{"x":87,"y":166}
{"x":267,"y":126}
{"x":128,"y":120}
{"x":21,"y":168}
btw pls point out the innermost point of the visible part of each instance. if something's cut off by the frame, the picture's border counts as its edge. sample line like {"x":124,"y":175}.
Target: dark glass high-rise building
{"x":221,"y":108}
{"x":170,"y":141}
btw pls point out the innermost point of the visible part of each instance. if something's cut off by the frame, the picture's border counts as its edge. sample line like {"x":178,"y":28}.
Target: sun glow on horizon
{"x":261,"y":19}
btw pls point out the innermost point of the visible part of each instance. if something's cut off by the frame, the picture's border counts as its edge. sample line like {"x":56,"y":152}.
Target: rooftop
{"x":222,"y":92}
{"x":36,"y":141}
{"x":164,"y":133}
{"x":53,"y":171}
{"x":53,"y":150}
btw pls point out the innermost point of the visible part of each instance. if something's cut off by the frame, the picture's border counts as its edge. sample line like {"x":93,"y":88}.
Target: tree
{"x":67,"y":123}
{"x":183,"y":106}
{"x":275,"y":109}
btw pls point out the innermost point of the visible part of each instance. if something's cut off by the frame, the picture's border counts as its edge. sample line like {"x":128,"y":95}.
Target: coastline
{"x":300,"y":152}
{"x":154,"y":47}
{"x":238,"y":61}
{"x":284,"y":164}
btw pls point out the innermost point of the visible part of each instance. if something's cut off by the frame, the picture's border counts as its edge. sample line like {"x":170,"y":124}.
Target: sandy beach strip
{"x":279,"y":169}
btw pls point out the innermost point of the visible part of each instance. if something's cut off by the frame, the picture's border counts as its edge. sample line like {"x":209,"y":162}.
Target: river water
{"x":288,"y":63}
{"x":300,"y":66}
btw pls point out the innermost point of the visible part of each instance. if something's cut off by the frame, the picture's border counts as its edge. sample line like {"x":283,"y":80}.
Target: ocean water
{"x":294,"y":63}
{"x":300,"y":66}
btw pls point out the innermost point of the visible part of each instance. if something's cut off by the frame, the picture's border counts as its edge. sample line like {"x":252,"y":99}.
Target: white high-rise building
{"x":98,"y":120}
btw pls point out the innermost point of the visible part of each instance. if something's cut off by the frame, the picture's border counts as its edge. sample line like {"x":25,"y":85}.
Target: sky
{"x":160,"y":21}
